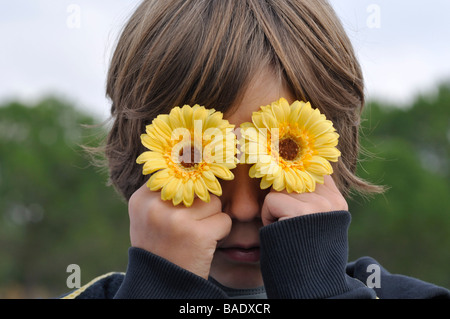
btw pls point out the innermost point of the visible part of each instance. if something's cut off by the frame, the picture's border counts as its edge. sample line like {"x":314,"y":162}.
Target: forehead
{"x":263,"y":89}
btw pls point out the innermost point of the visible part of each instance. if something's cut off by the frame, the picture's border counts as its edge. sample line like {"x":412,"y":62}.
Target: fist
{"x":185,"y":236}
{"x":282,"y":205}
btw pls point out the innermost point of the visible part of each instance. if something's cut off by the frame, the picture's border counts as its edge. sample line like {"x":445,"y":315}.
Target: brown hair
{"x":175,"y":52}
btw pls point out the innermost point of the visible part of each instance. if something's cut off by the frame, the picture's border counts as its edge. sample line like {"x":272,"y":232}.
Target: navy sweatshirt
{"x":301,"y":257}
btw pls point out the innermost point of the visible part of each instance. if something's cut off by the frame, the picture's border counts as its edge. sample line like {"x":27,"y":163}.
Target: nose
{"x":242,"y":198}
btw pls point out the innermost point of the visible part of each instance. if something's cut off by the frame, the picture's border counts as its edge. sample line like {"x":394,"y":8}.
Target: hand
{"x":185,"y":236}
{"x":282,"y":205}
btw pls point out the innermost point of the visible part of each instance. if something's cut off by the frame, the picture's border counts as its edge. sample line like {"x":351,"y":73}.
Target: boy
{"x":235,"y":56}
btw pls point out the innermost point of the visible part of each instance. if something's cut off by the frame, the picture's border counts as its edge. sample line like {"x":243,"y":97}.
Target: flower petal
{"x":328,"y":139}
{"x":318,"y":178}
{"x":201,"y":190}
{"x":281,"y":110}
{"x":170,"y":189}
{"x":278,"y":183}
{"x":214,"y":120}
{"x":152,"y":143}
{"x":188,"y":193}
{"x":295,"y":112}
{"x":290,"y":180}
{"x":303,"y":114}
{"x":176,"y":118}
{"x":153,"y":166}
{"x":212,"y":183}
{"x":329,"y":153}
{"x":149,"y":156}
{"x":178,"y":198}
{"x":221,"y":172}
{"x":307,"y":180}
{"x":162,"y":127}
{"x":265,"y":183}
{"x":319,"y":166}
{"x":270,"y":121}
{"x":187,"y":112}
{"x":252,"y":171}
{"x":320,"y":127}
{"x":158,"y":180}
{"x":153,"y":161}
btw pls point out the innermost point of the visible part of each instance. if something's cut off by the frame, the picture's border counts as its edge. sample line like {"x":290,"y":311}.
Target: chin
{"x":236,"y":275}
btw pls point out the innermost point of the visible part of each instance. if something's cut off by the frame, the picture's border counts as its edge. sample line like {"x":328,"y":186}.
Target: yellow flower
{"x":290,"y":146}
{"x":188,"y":149}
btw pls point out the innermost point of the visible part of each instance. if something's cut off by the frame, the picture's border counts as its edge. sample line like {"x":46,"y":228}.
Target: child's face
{"x":236,"y":260}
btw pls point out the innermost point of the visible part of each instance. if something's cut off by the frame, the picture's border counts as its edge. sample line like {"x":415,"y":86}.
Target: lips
{"x":241,"y":254}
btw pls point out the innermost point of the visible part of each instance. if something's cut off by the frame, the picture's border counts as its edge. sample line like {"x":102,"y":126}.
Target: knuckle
{"x":215,"y":202}
{"x":224,"y":221}
{"x":342,"y":203}
{"x":176,"y":219}
{"x":338,"y":203}
{"x":133,"y":202}
{"x":270,"y":197}
{"x":181,"y":225}
{"x":141,"y":199}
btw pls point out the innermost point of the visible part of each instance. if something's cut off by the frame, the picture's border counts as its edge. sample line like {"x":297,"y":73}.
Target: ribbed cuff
{"x":306,"y":256}
{"x":149,"y":276}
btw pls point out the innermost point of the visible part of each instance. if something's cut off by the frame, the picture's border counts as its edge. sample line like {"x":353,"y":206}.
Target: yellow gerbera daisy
{"x":188,"y":149}
{"x":290,"y":146}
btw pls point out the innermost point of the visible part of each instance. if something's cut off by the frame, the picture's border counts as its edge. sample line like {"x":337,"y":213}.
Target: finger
{"x":328,"y":186}
{"x":330,"y":191}
{"x":201,"y":210}
{"x":141,"y":198}
{"x":283,"y":205}
{"x":327,"y":190}
{"x":218,"y":225}
{"x":198,"y":210}
{"x":278,"y":205}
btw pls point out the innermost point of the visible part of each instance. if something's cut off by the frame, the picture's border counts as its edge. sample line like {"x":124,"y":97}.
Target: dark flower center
{"x":288,"y":149}
{"x":188,"y":155}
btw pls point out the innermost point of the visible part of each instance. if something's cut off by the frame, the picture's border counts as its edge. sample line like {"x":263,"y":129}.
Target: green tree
{"x":408,"y":228}
{"x":56,"y":208}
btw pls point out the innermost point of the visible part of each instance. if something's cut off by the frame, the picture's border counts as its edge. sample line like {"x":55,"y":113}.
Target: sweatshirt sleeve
{"x":306,"y":257}
{"x":149,"y":276}
{"x":394,"y":286}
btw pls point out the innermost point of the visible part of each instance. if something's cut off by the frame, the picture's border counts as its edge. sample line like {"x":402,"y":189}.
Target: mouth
{"x":241,"y":254}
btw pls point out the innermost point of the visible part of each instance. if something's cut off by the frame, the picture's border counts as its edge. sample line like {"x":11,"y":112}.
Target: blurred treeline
{"x":408,"y":228}
{"x":56,"y":209}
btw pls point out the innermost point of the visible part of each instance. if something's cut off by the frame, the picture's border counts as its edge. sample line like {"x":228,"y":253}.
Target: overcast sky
{"x":59,"y":46}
